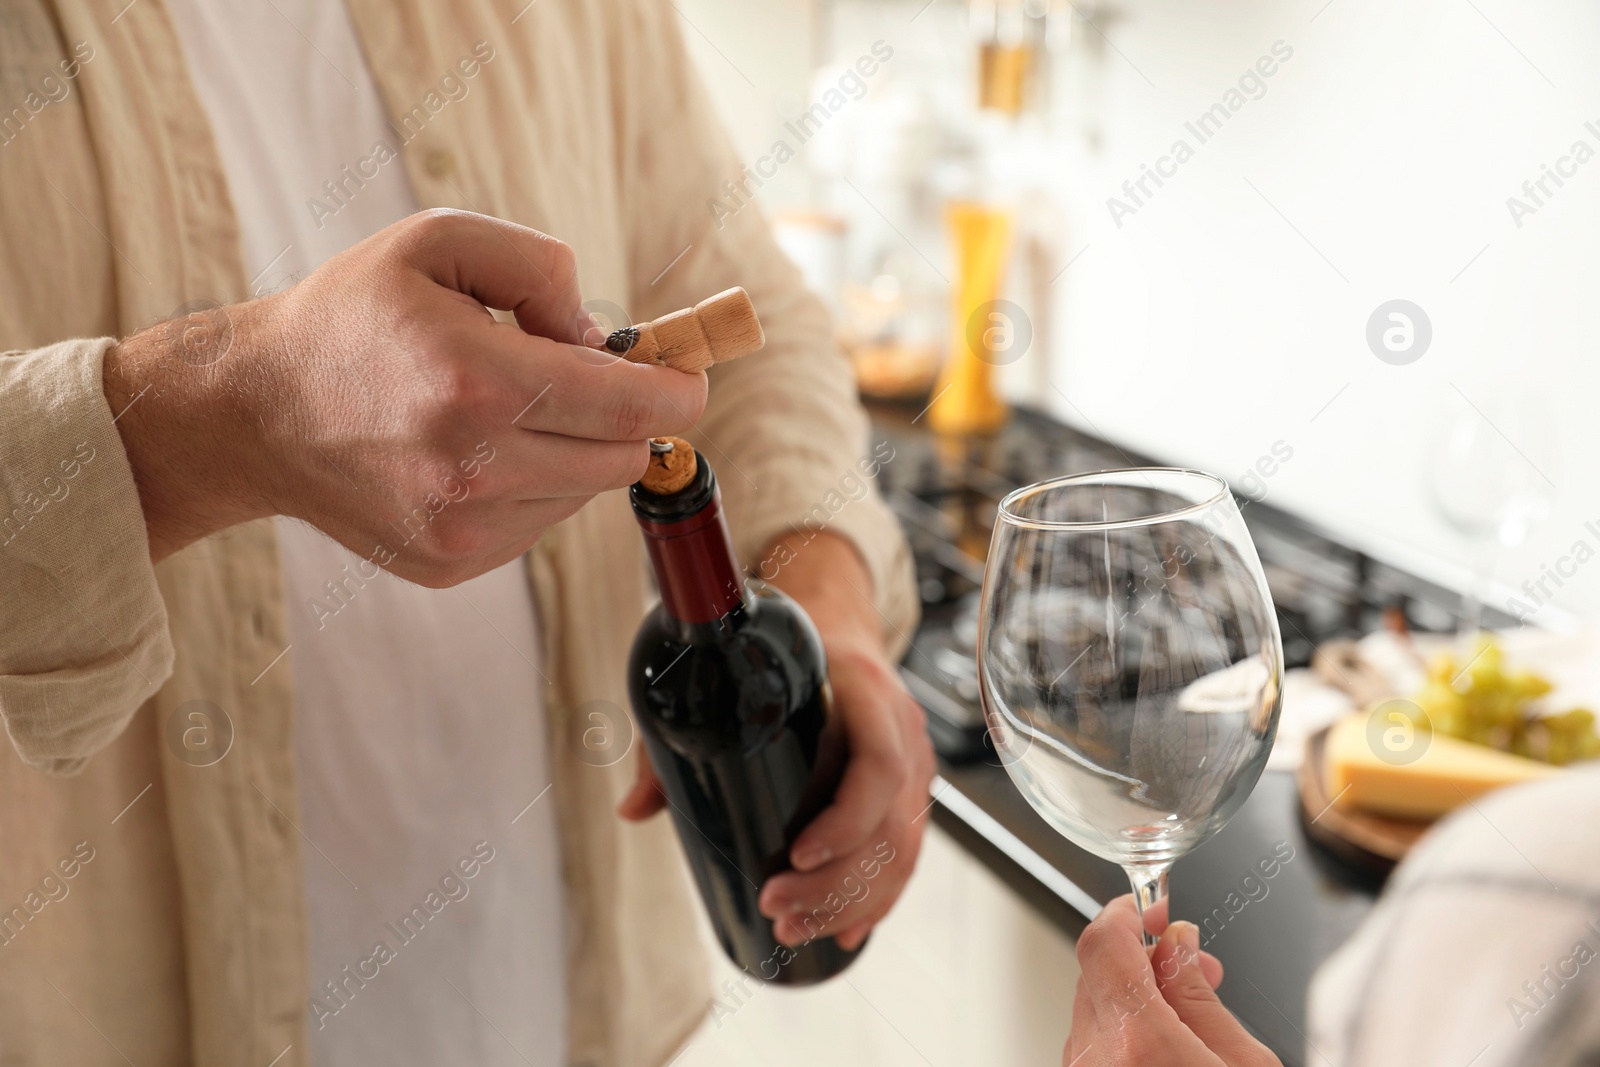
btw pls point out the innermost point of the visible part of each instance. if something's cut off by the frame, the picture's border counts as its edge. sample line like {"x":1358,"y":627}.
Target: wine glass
{"x":1129,"y":661}
{"x":1488,"y":489}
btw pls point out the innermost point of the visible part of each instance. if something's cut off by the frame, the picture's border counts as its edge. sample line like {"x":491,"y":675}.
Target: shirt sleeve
{"x":83,"y":633}
{"x":783,"y":427}
{"x":1483,"y":949}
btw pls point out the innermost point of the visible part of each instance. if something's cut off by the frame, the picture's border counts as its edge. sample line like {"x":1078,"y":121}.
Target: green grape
{"x":1489,"y":706}
{"x":1443,"y":706}
{"x":1528,"y":685}
{"x":1486,"y":664}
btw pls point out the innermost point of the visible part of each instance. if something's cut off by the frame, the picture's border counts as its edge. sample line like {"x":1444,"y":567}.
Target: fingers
{"x":1110,"y":949}
{"x":501,"y":265}
{"x":1210,"y":966}
{"x":855,"y":937}
{"x":1155,"y":1007}
{"x":579,"y":392}
{"x":458,"y":543}
{"x":643,"y":801}
{"x":1116,"y":969}
{"x":593,"y":394}
{"x":646,"y":797}
{"x":1155,"y":922}
{"x":872,"y":778}
{"x":1185,"y":986}
{"x":860,"y":850}
{"x":1081,"y":1038}
{"x":1155,"y":917}
{"x":842,"y":899}
{"x":539,"y":465}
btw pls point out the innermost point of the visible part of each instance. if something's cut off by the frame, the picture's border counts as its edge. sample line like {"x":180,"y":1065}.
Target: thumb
{"x":1181,"y":978}
{"x":501,"y":265}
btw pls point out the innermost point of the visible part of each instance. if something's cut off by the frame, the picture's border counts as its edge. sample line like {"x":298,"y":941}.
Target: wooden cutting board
{"x":1370,"y":842}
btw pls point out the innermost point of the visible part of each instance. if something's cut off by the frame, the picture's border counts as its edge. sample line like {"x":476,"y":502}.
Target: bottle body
{"x":739,"y":730}
{"x":728,"y":682}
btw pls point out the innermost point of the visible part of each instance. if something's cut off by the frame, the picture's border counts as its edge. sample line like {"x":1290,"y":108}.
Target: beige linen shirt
{"x":150,"y":909}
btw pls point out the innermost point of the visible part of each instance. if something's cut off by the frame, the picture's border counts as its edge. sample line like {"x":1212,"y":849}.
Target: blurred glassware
{"x":891,"y":329}
{"x":815,"y":240}
{"x":965,"y":401}
{"x":1003,"y":76}
{"x":1015,"y":41}
{"x":1490,"y":480}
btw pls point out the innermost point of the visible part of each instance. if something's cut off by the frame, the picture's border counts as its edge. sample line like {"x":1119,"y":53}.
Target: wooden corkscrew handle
{"x":718,"y":328}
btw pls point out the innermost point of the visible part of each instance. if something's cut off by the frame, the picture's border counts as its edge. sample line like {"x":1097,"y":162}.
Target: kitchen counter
{"x":1270,"y":935}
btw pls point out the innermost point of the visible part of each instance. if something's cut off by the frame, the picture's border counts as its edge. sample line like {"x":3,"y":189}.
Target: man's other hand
{"x":853,"y":861}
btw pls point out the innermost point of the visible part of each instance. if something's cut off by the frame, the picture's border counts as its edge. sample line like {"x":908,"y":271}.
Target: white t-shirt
{"x":419,"y":729}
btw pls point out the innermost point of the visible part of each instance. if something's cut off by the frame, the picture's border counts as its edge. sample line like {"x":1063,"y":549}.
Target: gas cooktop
{"x":947,"y":492}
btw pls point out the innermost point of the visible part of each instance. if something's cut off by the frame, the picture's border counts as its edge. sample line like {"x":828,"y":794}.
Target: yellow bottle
{"x":964,"y":397}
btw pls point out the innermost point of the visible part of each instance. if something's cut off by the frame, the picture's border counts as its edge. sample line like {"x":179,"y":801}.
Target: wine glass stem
{"x":1472,"y":596}
{"x":1474,"y":600}
{"x":1149,"y":889}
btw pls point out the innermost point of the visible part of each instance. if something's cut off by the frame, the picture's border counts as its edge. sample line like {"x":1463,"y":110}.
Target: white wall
{"x":1391,"y":141}
{"x":1231,"y":309}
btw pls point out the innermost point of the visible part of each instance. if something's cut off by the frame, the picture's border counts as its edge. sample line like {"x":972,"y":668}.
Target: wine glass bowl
{"x":1130,"y":665}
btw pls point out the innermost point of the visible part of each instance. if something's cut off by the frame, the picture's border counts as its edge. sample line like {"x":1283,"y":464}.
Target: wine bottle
{"x":729,"y":685}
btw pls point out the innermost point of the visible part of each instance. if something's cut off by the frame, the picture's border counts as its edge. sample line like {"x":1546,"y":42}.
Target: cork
{"x":719,"y":328}
{"x":671,"y":470}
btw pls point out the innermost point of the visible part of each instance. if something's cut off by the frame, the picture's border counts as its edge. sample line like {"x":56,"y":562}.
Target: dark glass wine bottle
{"x":730,"y":688}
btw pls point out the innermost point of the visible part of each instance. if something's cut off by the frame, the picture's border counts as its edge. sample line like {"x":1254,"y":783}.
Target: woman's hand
{"x":1139,"y":1007}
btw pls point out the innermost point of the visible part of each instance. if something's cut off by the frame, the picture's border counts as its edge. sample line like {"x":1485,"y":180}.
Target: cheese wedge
{"x":1448,"y":774}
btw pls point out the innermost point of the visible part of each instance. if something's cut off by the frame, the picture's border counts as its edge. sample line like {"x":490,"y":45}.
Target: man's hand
{"x":380,"y":401}
{"x":853,"y":861}
{"x":1137,"y":1007}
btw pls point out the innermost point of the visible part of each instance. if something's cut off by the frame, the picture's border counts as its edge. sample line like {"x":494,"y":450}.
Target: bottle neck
{"x":695,"y":566}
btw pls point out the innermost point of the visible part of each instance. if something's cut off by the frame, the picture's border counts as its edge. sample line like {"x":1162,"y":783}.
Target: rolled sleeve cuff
{"x":84,"y":638}
{"x":803,"y":494}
